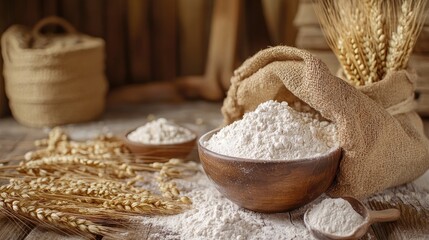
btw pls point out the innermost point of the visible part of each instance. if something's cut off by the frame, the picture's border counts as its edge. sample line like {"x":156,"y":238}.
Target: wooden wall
{"x":155,"y":40}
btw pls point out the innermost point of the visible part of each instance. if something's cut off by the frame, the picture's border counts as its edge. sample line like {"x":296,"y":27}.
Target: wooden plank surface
{"x":15,"y":139}
{"x":39,"y":233}
{"x":5,"y":22}
{"x":257,"y":33}
{"x":33,"y":12}
{"x":413,"y":223}
{"x":71,"y":11}
{"x":163,"y":39}
{"x":114,"y":28}
{"x":50,"y":7}
{"x":12,"y":229}
{"x":193,"y":18}
{"x":92,"y":17}
{"x":139,"y":41}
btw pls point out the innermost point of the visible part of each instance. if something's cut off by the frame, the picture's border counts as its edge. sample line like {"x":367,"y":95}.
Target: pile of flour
{"x":214,"y":217}
{"x":161,"y":131}
{"x":275,"y":131}
{"x":334,"y":216}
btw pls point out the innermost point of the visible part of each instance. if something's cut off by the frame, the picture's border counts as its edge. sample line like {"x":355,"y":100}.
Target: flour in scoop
{"x":161,"y":131}
{"x":335,"y":216}
{"x":275,"y":131}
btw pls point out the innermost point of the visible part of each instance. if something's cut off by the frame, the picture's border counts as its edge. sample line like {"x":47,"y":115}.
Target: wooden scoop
{"x":369,"y":216}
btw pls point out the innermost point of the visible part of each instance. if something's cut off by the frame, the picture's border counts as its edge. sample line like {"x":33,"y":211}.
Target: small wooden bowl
{"x":269,"y":185}
{"x":159,"y":152}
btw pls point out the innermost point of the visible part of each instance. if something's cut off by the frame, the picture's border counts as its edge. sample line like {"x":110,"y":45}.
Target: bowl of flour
{"x":274,"y":159}
{"x":160,"y":140}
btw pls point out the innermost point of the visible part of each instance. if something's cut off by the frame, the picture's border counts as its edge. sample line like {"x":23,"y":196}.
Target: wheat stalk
{"x":12,"y":203}
{"x":76,"y":186}
{"x":348,"y":67}
{"x":378,"y":35}
{"x":365,"y":43}
{"x":409,"y":27}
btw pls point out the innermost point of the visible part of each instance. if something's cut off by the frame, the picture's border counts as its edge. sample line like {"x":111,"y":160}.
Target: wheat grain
{"x":378,"y":35}
{"x":398,"y":41}
{"x":371,"y":60}
{"x":13,"y":203}
{"x":105,"y":189}
{"x":365,"y":43}
{"x":348,"y":67}
{"x":62,"y":186}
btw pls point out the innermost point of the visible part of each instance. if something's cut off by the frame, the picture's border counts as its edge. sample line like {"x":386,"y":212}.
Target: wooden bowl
{"x":269,"y":185}
{"x":159,"y":152}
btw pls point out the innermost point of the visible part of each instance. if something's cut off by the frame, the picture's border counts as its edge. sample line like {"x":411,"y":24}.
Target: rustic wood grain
{"x":33,"y":12}
{"x":222,"y":48}
{"x":17,"y":139}
{"x":71,"y":10}
{"x":12,"y":229}
{"x":50,"y":7}
{"x":273,"y":17}
{"x":8,"y":145}
{"x":142,"y":233}
{"x":414,"y":221}
{"x":221,"y":54}
{"x":289,"y":31}
{"x":149,"y":40}
{"x":139,"y":36}
{"x":93,"y":18}
{"x":39,"y":233}
{"x":422,"y":45}
{"x":144,"y":93}
{"x":5,"y":20}
{"x":193,"y":16}
{"x":163,"y":39}
{"x":305,"y":15}
{"x":311,"y":37}
{"x":116,"y":66}
{"x":256,"y":30}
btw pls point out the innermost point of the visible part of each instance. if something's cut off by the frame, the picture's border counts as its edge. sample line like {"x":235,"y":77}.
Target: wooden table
{"x":16,"y":139}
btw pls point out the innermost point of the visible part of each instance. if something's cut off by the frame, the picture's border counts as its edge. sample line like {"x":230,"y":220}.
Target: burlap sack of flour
{"x":381,"y":135}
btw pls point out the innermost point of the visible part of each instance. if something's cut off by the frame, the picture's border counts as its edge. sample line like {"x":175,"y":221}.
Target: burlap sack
{"x":381,"y":135}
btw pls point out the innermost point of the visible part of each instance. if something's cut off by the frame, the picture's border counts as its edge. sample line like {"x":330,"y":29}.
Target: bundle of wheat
{"x":371,"y":37}
{"x":89,"y":188}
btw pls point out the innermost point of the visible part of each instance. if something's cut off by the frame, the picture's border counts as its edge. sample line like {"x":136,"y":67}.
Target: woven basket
{"x":53,"y":79}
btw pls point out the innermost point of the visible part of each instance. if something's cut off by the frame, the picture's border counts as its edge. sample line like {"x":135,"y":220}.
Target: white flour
{"x":335,"y":216}
{"x":215,"y":217}
{"x":275,"y":131}
{"x":161,"y":131}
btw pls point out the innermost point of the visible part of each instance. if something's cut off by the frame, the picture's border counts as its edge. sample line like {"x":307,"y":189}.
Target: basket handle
{"x":52,"y":20}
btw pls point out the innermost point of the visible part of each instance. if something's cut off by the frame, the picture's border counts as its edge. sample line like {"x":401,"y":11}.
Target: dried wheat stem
{"x":371,"y":60}
{"x":81,"y":186}
{"x":398,"y":41}
{"x":378,"y":35}
{"x":348,"y":65}
{"x":71,"y":186}
{"x":31,"y":210}
{"x":366,"y":44}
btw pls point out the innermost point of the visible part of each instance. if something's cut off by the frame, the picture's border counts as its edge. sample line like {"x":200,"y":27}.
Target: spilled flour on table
{"x":214,"y":217}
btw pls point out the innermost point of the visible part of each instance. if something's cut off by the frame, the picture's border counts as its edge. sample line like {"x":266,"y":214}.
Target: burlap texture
{"x":53,"y":80}
{"x":380,"y":149}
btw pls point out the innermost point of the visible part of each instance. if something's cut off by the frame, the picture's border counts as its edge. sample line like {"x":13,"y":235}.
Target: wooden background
{"x":156,"y":40}
{"x":152,"y":40}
